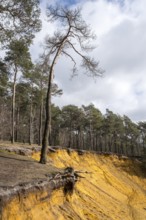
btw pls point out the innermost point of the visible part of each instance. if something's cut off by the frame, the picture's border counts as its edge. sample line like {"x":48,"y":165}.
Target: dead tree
{"x":75,"y":36}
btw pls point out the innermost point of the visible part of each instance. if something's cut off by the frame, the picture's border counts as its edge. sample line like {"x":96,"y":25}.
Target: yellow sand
{"x":115,"y":190}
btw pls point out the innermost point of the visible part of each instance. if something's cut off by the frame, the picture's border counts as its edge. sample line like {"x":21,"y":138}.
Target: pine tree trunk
{"x":90,"y":138}
{"x":45,"y":141}
{"x":50,"y":126}
{"x":47,"y":128}
{"x":13,"y":106}
{"x":30,"y":124}
{"x":40,"y":123}
{"x":17,"y":124}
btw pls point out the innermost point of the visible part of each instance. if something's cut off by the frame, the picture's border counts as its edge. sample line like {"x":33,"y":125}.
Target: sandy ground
{"x":113,"y":188}
{"x":16,"y":169}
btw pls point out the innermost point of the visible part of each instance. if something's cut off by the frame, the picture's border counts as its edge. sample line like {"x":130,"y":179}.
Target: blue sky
{"x":121,"y":37}
{"x":69,"y":2}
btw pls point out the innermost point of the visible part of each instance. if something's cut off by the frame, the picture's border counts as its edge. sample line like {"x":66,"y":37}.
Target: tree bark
{"x":17,"y":124}
{"x":45,"y":141}
{"x":31,"y":123}
{"x":13,"y":106}
{"x":40,"y":122}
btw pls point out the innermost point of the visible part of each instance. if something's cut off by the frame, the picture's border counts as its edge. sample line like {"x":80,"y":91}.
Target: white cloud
{"x":121,"y":51}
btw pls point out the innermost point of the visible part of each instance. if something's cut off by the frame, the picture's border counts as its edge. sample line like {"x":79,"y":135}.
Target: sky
{"x":120,"y":27}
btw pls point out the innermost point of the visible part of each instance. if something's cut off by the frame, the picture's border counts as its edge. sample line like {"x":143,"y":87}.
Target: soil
{"x":16,"y":169}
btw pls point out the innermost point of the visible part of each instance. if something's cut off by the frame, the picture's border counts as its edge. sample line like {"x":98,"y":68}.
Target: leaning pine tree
{"x":75,"y":36}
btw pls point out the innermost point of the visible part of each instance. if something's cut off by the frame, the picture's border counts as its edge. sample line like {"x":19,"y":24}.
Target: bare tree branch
{"x":64,"y":52}
{"x":88,"y":63}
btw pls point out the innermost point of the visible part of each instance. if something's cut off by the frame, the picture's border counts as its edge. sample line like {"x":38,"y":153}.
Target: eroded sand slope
{"x":116,"y":189}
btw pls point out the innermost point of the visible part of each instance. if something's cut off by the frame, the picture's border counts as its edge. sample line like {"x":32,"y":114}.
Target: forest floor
{"x":16,"y":169}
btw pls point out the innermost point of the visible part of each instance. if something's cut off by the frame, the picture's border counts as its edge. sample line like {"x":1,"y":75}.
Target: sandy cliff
{"x":113,"y":189}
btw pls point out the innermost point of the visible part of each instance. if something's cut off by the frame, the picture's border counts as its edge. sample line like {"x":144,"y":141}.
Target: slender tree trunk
{"x":40,"y":122}
{"x":115,"y":148}
{"x":30,"y":125}
{"x":131,"y":148}
{"x":13,"y":106}
{"x":70,"y":136}
{"x":105,"y":143}
{"x":90,"y":137}
{"x":79,"y":138}
{"x":17,"y":124}
{"x":96,"y":142}
{"x":47,"y":130}
{"x":126,"y":146}
{"x":45,"y":141}
{"x":1,"y":119}
{"x":50,"y":126}
{"x":83,"y":141}
{"x":101,"y":143}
